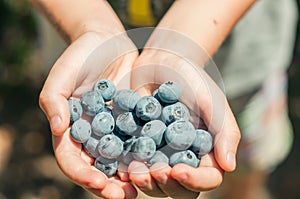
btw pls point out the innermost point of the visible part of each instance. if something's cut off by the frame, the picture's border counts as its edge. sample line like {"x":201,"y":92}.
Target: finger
{"x":206,"y":177}
{"x":123,"y":172}
{"x":226,"y":143}
{"x":219,"y":119}
{"x":68,"y":155}
{"x":139,"y":174}
{"x":60,"y":85}
{"x":111,"y":191}
{"x":129,"y":190}
{"x":161,"y":172}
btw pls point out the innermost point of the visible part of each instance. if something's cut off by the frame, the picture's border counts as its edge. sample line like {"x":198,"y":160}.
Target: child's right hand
{"x":75,"y":72}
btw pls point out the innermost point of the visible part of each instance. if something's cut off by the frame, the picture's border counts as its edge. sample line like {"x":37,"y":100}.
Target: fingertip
{"x":94,"y":179}
{"x":179,"y":173}
{"x":113,"y":191}
{"x":56,"y":125}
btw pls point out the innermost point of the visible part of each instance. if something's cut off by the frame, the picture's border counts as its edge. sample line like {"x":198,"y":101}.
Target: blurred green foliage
{"x":18,"y":33}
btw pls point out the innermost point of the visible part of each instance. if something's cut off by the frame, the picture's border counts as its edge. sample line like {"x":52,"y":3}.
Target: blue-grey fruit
{"x":187,"y":157}
{"x":92,"y":102}
{"x":81,"y":131}
{"x":75,"y":109}
{"x":106,"y":88}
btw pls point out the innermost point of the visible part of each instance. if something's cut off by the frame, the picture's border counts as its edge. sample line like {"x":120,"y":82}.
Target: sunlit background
{"x":27,"y":167}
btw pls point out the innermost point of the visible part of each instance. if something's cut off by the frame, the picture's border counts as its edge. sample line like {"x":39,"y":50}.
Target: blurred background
{"x":28,"y":169}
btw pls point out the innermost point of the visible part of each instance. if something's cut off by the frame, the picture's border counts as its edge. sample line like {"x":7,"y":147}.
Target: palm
{"x":80,"y":71}
{"x":199,"y":94}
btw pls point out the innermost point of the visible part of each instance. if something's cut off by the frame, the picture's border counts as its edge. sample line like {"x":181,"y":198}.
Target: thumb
{"x":56,"y":108}
{"x":226,"y":143}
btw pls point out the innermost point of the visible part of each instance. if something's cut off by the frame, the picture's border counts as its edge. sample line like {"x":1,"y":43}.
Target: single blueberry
{"x":158,"y":157}
{"x":169,"y":92}
{"x":106,"y":88}
{"x":173,"y":112}
{"x":126,"y":123}
{"x":143,"y":148}
{"x":90,"y":146}
{"x":92,"y":102}
{"x":203,"y":143}
{"x":81,"y":130}
{"x":148,"y":108}
{"x":110,"y":146}
{"x":109,"y":169}
{"x":180,"y":135}
{"x":103,"y":123}
{"x":126,"y":99}
{"x":186,"y":157}
{"x":75,"y":109}
{"x":154,"y":129}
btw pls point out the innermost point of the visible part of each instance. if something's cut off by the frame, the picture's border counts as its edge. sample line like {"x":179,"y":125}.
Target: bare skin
{"x":86,"y":27}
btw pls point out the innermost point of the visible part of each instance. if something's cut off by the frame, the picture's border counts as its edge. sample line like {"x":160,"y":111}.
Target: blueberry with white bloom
{"x":90,"y":146}
{"x":187,"y":157}
{"x":180,"y":135}
{"x":154,"y":129}
{"x":148,"y":108}
{"x":81,"y":131}
{"x":109,"y":169}
{"x":126,"y":99}
{"x":110,"y":146}
{"x":203,"y":143}
{"x":92,"y":102}
{"x":106,"y":88}
{"x":143,"y":148}
{"x":75,"y":109}
{"x":173,"y":112}
{"x":126,"y":123}
{"x":169,"y":92}
{"x":103,"y":123}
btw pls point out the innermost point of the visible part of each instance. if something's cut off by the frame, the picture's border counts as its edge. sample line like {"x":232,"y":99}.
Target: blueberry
{"x":81,"y":130}
{"x":203,"y":143}
{"x":126,"y":123}
{"x":186,"y":157}
{"x":75,"y":109}
{"x":106,"y":88}
{"x":110,"y":146}
{"x":148,"y":108}
{"x":126,"y":99}
{"x":173,"y":112}
{"x":92,"y":102}
{"x":103,"y":123}
{"x":154,"y":129}
{"x":158,"y":157}
{"x":109,"y":169}
{"x":90,"y":146}
{"x":169,"y":92}
{"x":143,"y":148}
{"x":180,"y":135}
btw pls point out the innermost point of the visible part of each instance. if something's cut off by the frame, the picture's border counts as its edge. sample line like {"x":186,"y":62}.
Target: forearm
{"x":74,"y":18}
{"x":194,"y":27}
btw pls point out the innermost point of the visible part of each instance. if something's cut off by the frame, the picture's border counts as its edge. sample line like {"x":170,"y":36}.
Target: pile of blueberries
{"x":119,"y":126}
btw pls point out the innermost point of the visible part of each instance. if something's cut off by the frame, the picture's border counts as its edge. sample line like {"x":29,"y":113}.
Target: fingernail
{"x":55,"y":123}
{"x":231,"y":160}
